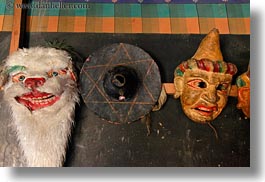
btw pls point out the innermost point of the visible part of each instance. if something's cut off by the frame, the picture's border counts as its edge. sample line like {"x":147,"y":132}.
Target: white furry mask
{"x":41,"y":90}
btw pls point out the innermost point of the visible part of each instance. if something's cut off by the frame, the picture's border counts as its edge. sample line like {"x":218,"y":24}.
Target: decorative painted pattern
{"x":132,"y":16}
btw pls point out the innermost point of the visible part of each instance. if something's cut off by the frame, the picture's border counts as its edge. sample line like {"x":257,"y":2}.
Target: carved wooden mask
{"x":41,"y":91}
{"x":243,"y":84}
{"x":204,"y":81}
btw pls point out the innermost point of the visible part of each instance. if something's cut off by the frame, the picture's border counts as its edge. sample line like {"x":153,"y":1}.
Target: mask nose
{"x":211,"y":95}
{"x":34,"y":82}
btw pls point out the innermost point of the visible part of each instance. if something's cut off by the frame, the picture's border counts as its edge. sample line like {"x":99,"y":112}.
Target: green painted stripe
{"x":81,"y":12}
{"x":163,"y":11}
{"x":66,"y":11}
{"x":6,"y":9}
{"x":141,"y":10}
{"x":238,"y":10}
{"x":44,"y":11}
{"x":212,"y":10}
{"x":183,"y":10}
{"x":128,"y":10}
{"x":149,"y":11}
{"x":54,"y":11}
{"x":9,"y":11}
{"x":136,"y":10}
{"x":108,"y":10}
{"x":40,"y":12}
{"x":2,"y":8}
{"x":100,"y":10}
{"x":155,"y":11}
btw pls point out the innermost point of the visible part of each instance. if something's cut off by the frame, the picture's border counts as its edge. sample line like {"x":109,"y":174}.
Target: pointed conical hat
{"x":209,"y":47}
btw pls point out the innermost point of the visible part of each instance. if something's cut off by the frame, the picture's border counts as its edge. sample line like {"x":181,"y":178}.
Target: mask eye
{"x":18,"y":77}
{"x":21,"y":78}
{"x":202,"y":84}
{"x":197,"y":83}
{"x":54,"y":73}
{"x":222,"y":87}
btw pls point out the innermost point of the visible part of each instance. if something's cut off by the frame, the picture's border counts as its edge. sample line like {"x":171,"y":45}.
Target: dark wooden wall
{"x":5,"y":38}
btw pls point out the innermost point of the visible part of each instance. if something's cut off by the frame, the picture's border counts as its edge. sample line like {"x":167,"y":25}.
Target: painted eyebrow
{"x":15,"y":68}
{"x":198,"y":76}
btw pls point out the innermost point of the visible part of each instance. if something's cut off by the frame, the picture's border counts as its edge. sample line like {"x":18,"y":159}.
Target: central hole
{"x":119,"y":80}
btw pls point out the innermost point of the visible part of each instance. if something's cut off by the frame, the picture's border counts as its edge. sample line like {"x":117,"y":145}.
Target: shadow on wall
{"x":5,"y":38}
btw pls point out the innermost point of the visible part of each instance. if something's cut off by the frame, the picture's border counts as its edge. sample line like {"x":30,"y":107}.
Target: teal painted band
{"x":238,"y":10}
{"x":6,"y":8}
{"x":135,"y":10}
{"x":212,"y":10}
{"x":128,"y":10}
{"x":2,"y":8}
{"x":183,"y":10}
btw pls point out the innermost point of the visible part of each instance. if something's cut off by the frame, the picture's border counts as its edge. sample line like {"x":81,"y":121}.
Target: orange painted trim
{"x":29,"y":23}
{"x":207,"y":24}
{"x":185,"y":25}
{"x":164,"y":25}
{"x":137,"y":25}
{"x":66,"y":24}
{"x":80,"y":24}
{"x":39,"y":24}
{"x":131,"y":25}
{"x":16,"y":27}
{"x":222,"y":25}
{"x":192,"y":25}
{"x":123,"y":25}
{"x":53,"y":22}
{"x":93,"y":24}
{"x":150,"y":25}
{"x":8,"y":23}
{"x":247,"y":25}
{"x":1,"y":22}
{"x":108,"y":25}
{"x":239,"y":25}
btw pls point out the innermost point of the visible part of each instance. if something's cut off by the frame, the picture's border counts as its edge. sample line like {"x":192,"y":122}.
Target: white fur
{"x":43,"y":134}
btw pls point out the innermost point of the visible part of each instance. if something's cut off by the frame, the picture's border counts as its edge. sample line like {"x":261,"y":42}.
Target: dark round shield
{"x":120,"y":83}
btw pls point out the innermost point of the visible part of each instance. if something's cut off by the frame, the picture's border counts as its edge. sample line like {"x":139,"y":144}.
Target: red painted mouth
{"x":36,"y":100}
{"x":205,"y":110}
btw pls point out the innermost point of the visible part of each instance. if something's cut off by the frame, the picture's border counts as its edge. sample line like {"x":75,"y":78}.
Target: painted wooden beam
{"x":14,"y":44}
